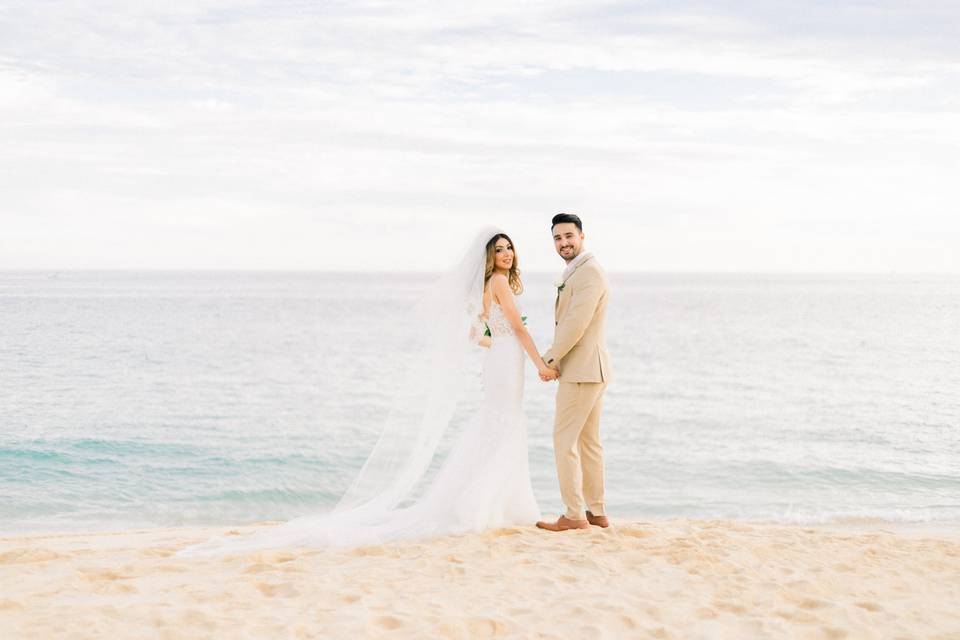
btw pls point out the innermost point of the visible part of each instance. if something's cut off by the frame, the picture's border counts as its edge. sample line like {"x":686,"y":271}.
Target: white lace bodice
{"x":497,"y":321}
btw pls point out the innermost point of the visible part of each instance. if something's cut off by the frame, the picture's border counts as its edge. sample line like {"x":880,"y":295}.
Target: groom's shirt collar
{"x":573,"y":264}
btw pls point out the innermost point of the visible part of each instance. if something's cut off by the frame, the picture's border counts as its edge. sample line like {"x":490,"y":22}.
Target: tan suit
{"x":579,"y":352}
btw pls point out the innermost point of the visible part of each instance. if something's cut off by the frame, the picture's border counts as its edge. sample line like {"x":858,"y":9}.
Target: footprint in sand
{"x":281,"y":590}
{"x":371,"y":550}
{"x":195,"y":618}
{"x":115,"y":588}
{"x":172,"y":568}
{"x":388,"y":622}
{"x":869,"y":606}
{"x":627,"y":622}
{"x":97,"y":575}
{"x":106,"y":581}
{"x":508,"y":531}
{"x":20,"y":556}
{"x":482,"y":627}
{"x":283,"y":557}
{"x":258,"y":567}
{"x":110,"y":611}
{"x":813,"y":603}
{"x":10,"y":605}
{"x":730,"y":606}
{"x":796,"y":616}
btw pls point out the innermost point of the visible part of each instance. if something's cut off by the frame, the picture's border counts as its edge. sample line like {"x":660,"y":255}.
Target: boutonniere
{"x":559,"y":284}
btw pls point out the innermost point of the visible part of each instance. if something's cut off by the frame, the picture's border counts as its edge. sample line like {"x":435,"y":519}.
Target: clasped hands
{"x":547,"y":374}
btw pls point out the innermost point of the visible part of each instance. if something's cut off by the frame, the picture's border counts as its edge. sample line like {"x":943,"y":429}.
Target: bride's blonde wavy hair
{"x":513,"y":277}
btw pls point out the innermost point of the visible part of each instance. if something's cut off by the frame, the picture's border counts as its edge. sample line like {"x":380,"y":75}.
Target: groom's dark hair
{"x":560,"y":218}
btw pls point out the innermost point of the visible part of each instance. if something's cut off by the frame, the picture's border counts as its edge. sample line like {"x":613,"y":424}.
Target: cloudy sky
{"x":286,"y":134}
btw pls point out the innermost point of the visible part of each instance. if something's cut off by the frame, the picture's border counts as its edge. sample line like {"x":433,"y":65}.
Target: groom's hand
{"x":549,"y":374}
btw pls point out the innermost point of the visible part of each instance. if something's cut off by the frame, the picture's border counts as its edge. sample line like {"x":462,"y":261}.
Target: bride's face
{"x":503,"y":254}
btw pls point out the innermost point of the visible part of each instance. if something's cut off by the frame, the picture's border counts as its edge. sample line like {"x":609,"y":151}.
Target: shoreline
{"x":676,"y":578}
{"x":941,"y":528}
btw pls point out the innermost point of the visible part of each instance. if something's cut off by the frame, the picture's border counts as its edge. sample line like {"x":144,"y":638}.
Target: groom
{"x":579,"y":357}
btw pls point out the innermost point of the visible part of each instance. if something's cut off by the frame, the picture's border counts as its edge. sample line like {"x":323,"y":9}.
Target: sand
{"x":662,"y":579}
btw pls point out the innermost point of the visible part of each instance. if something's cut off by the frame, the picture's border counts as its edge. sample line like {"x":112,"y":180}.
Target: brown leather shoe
{"x":598,"y":521}
{"x":563,"y":523}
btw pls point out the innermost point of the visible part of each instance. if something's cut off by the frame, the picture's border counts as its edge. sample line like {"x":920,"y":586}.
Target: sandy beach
{"x":661,"y":579}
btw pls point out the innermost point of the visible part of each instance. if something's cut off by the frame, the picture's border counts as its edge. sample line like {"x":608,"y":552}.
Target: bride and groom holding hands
{"x":577,"y":358}
{"x":484,"y":480}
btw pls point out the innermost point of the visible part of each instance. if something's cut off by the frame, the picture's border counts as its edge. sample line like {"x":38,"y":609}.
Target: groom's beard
{"x":568,"y":256}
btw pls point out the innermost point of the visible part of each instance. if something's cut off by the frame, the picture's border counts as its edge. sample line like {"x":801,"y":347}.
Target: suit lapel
{"x":556,"y":304}
{"x":589,"y":258}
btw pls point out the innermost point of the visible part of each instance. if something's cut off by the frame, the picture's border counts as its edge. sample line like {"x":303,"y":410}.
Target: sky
{"x":366,"y":135}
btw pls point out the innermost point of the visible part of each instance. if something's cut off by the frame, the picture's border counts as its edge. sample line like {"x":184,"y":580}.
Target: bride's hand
{"x":478,"y":330}
{"x":547,"y":374}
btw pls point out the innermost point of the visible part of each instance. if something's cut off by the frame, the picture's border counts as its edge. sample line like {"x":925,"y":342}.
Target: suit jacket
{"x":579,"y":347}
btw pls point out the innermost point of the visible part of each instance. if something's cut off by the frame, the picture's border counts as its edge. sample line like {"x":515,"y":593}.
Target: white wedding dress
{"x":484,"y":481}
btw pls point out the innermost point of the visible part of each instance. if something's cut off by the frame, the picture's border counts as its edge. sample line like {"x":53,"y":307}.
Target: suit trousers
{"x":576,"y":445}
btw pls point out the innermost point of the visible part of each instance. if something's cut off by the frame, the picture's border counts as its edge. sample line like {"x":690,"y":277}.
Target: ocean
{"x":141,"y":399}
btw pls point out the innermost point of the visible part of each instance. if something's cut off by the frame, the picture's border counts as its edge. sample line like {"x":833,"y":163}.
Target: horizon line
{"x":731,"y":272}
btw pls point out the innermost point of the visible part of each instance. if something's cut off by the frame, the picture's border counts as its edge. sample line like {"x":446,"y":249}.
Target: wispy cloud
{"x":227,"y":134}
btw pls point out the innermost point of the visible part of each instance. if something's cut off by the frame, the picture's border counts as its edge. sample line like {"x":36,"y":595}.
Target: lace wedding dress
{"x":484,"y":481}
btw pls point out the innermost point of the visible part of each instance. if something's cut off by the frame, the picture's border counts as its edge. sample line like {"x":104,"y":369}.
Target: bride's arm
{"x":504,"y":296}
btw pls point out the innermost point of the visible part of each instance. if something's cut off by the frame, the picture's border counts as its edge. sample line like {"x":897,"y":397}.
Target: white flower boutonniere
{"x":559,"y":284}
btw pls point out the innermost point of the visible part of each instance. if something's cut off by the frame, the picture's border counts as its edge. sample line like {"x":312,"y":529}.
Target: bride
{"x":484,"y":481}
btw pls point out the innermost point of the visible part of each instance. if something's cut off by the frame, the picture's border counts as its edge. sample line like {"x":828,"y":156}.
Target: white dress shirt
{"x":583,"y":255}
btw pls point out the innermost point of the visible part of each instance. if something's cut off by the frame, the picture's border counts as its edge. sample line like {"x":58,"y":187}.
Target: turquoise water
{"x":173,"y":398}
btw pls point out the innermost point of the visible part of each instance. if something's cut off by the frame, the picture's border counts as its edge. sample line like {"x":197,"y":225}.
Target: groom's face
{"x":568,"y":240}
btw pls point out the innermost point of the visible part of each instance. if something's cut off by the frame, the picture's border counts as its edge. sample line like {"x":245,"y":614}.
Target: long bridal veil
{"x":432,"y":381}
{"x":433,"y":378}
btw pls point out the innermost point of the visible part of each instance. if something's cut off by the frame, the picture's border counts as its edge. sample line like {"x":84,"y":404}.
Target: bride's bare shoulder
{"x":500,"y":287}
{"x":499,"y":284}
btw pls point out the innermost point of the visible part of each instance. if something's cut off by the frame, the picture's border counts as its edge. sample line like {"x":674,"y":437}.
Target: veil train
{"x":431,"y":385}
